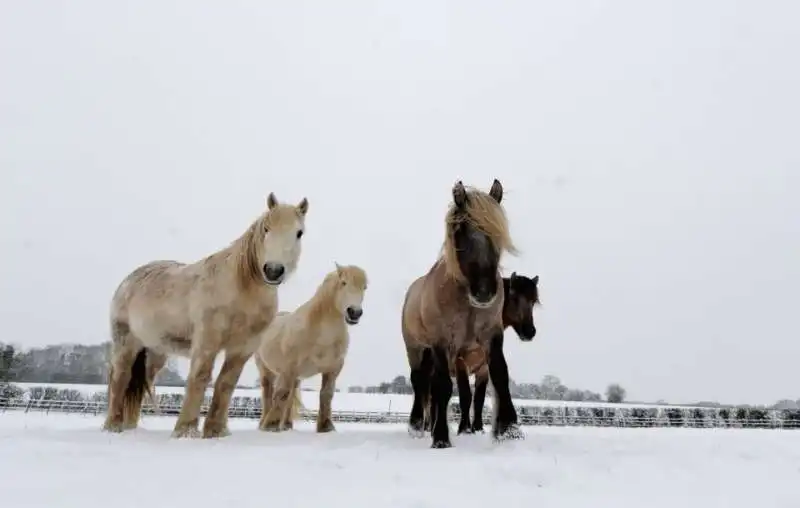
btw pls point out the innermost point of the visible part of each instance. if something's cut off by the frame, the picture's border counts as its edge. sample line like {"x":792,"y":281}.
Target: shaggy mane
{"x":486,"y":215}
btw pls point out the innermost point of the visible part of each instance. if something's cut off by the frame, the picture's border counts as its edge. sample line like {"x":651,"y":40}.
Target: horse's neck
{"x":321,"y":303}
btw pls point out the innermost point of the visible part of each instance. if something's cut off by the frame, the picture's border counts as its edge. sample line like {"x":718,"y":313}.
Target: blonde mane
{"x":323,"y":303}
{"x":244,"y":251}
{"x":483,"y":213}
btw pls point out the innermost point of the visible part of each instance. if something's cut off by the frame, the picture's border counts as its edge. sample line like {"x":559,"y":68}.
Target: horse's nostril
{"x":354,"y":313}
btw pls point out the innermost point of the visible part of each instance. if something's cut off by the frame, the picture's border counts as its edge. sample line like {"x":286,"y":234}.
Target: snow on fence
{"x":550,"y":415}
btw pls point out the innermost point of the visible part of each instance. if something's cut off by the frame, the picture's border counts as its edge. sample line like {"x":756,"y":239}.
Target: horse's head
{"x":477,"y":236}
{"x":521,"y":294}
{"x":282,"y":228}
{"x":351,"y":284}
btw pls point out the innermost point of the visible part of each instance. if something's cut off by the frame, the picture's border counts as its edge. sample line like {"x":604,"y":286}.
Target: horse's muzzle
{"x":274,"y":273}
{"x":352,"y":315}
{"x":526,"y":333}
{"x":481,"y":303}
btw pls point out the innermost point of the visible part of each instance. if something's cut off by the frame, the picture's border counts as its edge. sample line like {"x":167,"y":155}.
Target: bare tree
{"x":615,"y":393}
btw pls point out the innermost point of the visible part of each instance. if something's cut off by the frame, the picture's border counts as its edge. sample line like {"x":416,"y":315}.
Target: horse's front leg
{"x":505,"y":419}
{"x":479,"y":398}
{"x":464,"y":399}
{"x":324,"y":421}
{"x":216,"y":424}
{"x":201,"y":365}
{"x":441,"y":392}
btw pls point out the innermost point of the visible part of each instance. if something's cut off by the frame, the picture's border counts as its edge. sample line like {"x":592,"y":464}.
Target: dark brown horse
{"x":521,"y":294}
{"x":457,"y":308}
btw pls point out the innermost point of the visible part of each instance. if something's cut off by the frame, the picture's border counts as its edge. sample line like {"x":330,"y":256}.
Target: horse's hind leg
{"x":287,"y":416}
{"x":421,"y":383}
{"x":281,"y":398}
{"x":464,"y":400}
{"x":479,"y":398}
{"x":126,"y":379}
{"x":216,"y":424}
{"x":267,"y":388}
{"x":155,"y":362}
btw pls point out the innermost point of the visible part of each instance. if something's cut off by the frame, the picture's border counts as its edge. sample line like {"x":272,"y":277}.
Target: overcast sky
{"x":649,"y":154}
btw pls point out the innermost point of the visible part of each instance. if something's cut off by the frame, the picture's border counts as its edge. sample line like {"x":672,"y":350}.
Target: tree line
{"x":550,"y":388}
{"x":67,"y":363}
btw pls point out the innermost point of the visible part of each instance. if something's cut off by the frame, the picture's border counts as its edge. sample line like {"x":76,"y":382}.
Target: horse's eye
{"x":266,"y":229}
{"x":299,"y":234}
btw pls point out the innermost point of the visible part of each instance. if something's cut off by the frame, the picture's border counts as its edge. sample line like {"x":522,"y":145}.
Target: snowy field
{"x":65,"y":461}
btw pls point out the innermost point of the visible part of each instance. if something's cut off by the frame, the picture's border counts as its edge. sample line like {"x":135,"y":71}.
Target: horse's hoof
{"x":415,"y":432}
{"x":464,"y":430}
{"x":114,"y":428}
{"x":326,"y":426}
{"x":478,"y":430}
{"x":187,"y":432}
{"x":441,"y":443}
{"x":215,"y":433}
{"x":511,"y":433}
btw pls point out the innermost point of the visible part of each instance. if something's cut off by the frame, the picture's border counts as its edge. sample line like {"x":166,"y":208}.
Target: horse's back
{"x":152,"y":280}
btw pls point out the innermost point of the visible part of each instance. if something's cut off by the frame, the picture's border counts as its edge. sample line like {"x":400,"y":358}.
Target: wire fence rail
{"x":559,"y":416}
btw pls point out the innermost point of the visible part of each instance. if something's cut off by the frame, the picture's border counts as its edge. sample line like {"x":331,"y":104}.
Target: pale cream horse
{"x":311,"y":340}
{"x":219,"y":303}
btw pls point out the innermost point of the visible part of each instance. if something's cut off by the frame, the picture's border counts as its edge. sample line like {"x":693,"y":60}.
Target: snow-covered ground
{"x":65,"y":461}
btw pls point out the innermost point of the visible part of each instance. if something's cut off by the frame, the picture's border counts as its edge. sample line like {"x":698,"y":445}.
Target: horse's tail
{"x":134,"y":393}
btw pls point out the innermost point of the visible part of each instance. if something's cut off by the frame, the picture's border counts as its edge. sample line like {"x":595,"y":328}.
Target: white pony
{"x":309,"y":341}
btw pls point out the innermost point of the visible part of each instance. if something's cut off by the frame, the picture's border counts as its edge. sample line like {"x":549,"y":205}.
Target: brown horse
{"x":219,"y":303}
{"x":457,"y":307}
{"x":521,"y":294}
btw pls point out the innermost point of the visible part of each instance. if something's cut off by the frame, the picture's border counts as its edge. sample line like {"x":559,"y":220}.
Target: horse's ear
{"x":513,"y":276}
{"x":272,"y":201}
{"x":497,"y":190}
{"x":338,"y":268}
{"x":459,"y":194}
{"x":302,"y":207}
{"x":535,"y":280}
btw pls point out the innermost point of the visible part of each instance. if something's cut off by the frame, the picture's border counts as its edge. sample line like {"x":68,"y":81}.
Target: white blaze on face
{"x":283,"y":245}
{"x":283,"y":231}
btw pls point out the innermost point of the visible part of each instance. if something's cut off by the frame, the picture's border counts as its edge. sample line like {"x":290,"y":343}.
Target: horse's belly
{"x":307,"y":370}
{"x":161,"y":332}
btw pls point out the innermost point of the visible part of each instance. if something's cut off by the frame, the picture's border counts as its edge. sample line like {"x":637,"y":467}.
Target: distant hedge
{"x":71,"y":400}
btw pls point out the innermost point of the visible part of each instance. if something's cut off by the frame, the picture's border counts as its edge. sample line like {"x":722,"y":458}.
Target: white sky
{"x":649,"y":155}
